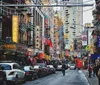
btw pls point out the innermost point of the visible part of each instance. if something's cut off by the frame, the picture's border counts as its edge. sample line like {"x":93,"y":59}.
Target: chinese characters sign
{"x":15,"y":28}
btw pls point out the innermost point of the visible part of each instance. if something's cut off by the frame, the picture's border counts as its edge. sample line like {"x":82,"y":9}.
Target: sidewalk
{"x":92,"y":80}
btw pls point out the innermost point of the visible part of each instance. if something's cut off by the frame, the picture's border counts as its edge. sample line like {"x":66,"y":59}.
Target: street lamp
{"x":87,"y":26}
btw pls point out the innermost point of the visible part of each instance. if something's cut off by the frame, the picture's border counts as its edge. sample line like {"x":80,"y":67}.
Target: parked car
{"x":13,"y":72}
{"x":41,"y":69}
{"x":3,"y":80}
{"x":31,"y":74}
{"x":52,"y":69}
{"x":72,"y":66}
{"x":59,"y":68}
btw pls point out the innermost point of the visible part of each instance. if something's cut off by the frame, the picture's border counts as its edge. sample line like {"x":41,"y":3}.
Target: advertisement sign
{"x":9,"y":46}
{"x":98,"y":41}
{"x":84,"y":40}
{"x":15,"y":28}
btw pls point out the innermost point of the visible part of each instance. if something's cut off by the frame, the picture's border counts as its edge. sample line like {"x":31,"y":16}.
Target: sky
{"x":87,"y":12}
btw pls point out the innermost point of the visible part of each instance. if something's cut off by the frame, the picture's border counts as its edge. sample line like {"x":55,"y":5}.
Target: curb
{"x":87,"y":78}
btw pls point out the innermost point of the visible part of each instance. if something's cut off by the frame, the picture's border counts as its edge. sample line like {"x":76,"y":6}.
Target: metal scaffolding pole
{"x":36,"y":5}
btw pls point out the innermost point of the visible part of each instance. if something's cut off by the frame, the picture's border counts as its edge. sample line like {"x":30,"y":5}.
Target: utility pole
{"x":1,"y":21}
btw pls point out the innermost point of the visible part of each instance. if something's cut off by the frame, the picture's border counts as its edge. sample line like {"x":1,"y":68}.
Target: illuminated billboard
{"x":15,"y":28}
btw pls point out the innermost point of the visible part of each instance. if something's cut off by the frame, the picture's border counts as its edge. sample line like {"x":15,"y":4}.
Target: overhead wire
{"x":72,"y":3}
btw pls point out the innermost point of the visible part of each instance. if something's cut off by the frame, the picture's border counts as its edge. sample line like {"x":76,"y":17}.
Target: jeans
{"x":90,"y":73}
{"x":63,"y":71}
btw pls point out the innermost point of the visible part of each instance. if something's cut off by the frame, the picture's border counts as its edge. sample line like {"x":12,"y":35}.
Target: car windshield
{"x":5,"y":66}
{"x":26,"y":68}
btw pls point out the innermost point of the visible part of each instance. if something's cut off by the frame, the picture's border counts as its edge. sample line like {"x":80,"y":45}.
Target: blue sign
{"x":98,"y":41}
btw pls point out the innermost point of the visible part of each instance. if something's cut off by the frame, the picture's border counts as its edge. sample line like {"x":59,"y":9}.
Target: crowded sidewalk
{"x":92,"y":80}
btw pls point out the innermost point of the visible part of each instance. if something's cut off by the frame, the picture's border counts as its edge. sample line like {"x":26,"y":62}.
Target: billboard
{"x":15,"y":28}
{"x":98,"y":41}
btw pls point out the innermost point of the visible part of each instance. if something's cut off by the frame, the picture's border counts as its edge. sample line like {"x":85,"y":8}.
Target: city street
{"x":72,"y":77}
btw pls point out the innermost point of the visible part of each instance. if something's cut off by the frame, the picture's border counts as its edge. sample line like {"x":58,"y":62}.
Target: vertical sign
{"x":15,"y":28}
{"x":98,"y":41}
{"x":84,"y":40}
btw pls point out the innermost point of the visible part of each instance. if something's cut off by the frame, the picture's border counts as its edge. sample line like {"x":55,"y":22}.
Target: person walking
{"x":98,"y":70}
{"x":94,"y":70}
{"x":90,"y":70}
{"x":63,"y":69}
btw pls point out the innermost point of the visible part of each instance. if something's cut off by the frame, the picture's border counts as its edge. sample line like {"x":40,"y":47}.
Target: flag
{"x":49,"y":43}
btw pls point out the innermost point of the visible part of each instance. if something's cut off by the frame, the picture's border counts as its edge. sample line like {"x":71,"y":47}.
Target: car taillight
{"x":27,"y":72}
{"x":11,"y":73}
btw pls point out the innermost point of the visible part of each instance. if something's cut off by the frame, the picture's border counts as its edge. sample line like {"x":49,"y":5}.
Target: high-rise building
{"x":73,"y":20}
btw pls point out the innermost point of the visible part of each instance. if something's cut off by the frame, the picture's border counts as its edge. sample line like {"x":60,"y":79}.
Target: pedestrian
{"x":63,"y":69}
{"x":94,"y":70}
{"x":98,"y":70}
{"x":90,"y":70}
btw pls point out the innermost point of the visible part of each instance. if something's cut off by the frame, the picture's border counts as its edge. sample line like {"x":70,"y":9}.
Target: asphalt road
{"x":72,"y":77}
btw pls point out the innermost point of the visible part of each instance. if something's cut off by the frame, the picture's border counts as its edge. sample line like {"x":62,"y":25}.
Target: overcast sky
{"x":87,"y":13}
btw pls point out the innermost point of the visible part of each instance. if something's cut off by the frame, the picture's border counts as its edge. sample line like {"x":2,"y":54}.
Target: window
{"x":5,"y":66}
{"x":15,"y":66}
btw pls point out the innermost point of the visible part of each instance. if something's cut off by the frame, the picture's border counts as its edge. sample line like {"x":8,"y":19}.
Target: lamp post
{"x":87,"y":26}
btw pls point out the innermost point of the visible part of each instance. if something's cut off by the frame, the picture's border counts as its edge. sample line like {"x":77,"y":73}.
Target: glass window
{"x":27,"y":68}
{"x":5,"y":66}
{"x":15,"y":66}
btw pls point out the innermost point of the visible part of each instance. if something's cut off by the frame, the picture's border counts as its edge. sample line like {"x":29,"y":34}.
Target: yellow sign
{"x":15,"y":28}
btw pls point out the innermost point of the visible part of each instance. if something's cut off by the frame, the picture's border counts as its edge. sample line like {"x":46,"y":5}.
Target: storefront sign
{"x":10,"y":46}
{"x":15,"y":28}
